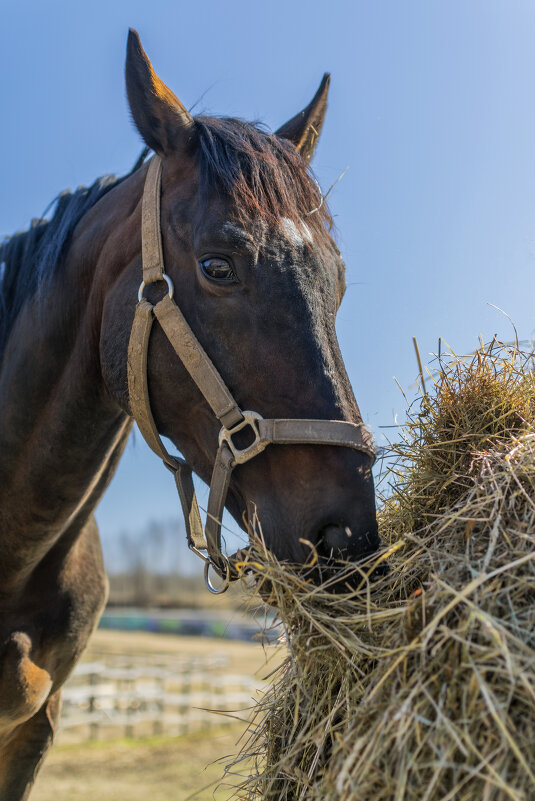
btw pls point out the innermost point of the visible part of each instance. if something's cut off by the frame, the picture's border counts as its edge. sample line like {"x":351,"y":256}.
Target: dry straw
{"x":420,"y":684}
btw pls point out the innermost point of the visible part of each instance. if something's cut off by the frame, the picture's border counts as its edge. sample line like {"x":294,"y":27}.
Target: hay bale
{"x":420,"y":685}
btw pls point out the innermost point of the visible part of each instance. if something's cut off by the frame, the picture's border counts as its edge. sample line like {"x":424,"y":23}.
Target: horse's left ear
{"x":304,"y":129}
{"x":162,"y":120}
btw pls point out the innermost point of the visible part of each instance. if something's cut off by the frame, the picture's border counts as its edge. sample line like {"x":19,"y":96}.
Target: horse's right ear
{"x":161,"y":119}
{"x":304,"y":129}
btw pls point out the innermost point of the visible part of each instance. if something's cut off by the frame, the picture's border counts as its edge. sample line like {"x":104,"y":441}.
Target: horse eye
{"x":217,"y":269}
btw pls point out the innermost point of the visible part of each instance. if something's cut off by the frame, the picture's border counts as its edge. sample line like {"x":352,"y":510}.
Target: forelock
{"x":260,"y":175}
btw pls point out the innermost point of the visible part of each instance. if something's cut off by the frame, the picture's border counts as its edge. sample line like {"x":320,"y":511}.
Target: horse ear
{"x":304,"y":129}
{"x":160,"y":117}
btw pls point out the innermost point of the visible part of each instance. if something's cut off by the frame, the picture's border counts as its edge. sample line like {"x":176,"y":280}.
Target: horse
{"x":245,"y":236}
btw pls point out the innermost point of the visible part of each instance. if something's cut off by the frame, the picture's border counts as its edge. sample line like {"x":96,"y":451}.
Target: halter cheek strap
{"x":207,"y":543}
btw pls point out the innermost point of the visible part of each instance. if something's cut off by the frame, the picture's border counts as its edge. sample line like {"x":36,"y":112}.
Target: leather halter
{"x":207,"y":543}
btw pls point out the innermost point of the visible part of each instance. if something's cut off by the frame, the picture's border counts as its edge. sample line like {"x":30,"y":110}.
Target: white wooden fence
{"x":128,"y":697}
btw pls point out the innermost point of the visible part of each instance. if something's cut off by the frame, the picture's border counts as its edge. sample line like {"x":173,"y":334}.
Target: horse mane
{"x":262,"y":174}
{"x":29,"y":258}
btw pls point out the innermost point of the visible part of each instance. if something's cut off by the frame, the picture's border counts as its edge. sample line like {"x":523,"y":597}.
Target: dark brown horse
{"x":256,"y":273}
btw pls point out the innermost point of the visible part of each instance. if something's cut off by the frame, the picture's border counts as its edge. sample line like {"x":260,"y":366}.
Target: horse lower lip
{"x":346,"y":575}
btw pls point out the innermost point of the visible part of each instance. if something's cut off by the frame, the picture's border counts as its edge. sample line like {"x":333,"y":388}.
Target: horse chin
{"x":343,"y":576}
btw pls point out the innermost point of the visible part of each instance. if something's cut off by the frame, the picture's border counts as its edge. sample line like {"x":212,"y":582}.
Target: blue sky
{"x":432,"y":108}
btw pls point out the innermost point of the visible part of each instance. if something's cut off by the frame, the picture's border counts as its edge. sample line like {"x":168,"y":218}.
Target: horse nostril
{"x":335,"y":540}
{"x":341,"y":542}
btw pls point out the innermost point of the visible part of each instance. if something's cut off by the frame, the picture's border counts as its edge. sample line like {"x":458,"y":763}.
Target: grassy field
{"x":159,"y":768}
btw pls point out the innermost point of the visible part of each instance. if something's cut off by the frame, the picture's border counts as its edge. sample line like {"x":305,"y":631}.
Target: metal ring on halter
{"x":165,"y":277}
{"x":216,"y":590}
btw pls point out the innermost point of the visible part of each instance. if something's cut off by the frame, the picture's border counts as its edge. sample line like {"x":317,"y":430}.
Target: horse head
{"x":258,"y":276}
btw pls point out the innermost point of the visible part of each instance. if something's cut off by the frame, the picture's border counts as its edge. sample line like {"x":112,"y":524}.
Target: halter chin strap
{"x":207,"y":543}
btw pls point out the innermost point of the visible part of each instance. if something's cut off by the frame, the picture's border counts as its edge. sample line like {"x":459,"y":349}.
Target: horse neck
{"x":61,"y":434}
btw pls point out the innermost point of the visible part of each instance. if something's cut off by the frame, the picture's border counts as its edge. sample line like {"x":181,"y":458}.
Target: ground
{"x":159,"y":768}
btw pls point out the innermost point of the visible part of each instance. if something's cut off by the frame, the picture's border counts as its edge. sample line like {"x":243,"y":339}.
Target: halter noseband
{"x":207,"y":543}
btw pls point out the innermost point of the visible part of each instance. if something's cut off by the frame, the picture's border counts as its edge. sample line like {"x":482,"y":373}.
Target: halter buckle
{"x":241,"y":455}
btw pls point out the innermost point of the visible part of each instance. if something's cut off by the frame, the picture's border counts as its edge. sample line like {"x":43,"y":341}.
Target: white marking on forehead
{"x":238,"y":233}
{"x":261,"y":234}
{"x":296,"y":236}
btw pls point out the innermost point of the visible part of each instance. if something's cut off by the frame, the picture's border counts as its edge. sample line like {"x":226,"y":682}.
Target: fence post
{"x":157,"y":727}
{"x":219,"y":697}
{"x":92,"y":706}
{"x":206,"y":688}
{"x":185,"y":691}
{"x":130,"y":711}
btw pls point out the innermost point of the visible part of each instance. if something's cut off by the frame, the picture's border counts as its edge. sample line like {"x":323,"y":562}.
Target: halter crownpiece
{"x":207,"y":543}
